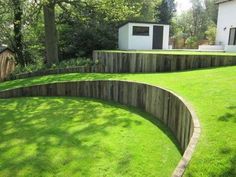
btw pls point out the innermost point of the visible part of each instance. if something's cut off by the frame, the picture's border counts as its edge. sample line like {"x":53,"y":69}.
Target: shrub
{"x":211,"y":34}
{"x":192,"y":42}
{"x":39,"y":65}
{"x":75,"y":62}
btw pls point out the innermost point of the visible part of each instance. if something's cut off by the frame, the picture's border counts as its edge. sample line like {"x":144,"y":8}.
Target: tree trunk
{"x":18,"y":46}
{"x":50,"y":34}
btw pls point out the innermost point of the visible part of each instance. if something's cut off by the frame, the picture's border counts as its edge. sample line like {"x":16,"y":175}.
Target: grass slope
{"x":212,"y":92}
{"x":81,"y":137}
{"x":172,"y":52}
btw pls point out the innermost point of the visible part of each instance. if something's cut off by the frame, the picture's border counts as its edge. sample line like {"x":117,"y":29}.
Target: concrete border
{"x":165,"y":105}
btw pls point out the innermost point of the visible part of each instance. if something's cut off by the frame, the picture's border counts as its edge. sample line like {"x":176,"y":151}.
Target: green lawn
{"x":212,"y":92}
{"x":81,"y":137}
{"x":172,"y":52}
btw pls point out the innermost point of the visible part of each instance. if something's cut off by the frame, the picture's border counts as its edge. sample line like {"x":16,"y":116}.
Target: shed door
{"x":157,"y":37}
{"x":232,"y":36}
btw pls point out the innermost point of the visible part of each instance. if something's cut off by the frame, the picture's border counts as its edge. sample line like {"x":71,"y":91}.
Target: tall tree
{"x":50,"y":34}
{"x":165,"y":11}
{"x":200,"y":19}
{"x":148,"y":9}
{"x":211,"y":10}
{"x":18,"y":43}
{"x":15,"y":17}
{"x":6,"y":23}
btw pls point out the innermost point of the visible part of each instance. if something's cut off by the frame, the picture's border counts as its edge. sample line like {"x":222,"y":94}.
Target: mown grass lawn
{"x":173,"y":52}
{"x":212,"y":92}
{"x":81,"y":137}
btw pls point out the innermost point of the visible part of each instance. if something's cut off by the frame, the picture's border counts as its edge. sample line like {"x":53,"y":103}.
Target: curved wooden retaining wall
{"x":171,"y":109}
{"x":124,"y":62}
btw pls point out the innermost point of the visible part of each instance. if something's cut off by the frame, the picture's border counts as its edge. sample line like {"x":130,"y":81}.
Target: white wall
{"x":123,"y":40}
{"x":226,"y":19}
{"x":166,"y":34}
{"x":140,"y":42}
{"x":230,"y":48}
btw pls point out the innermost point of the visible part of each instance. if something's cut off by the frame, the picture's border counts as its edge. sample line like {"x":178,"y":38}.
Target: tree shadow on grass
{"x":230,"y":168}
{"x":27,"y":140}
{"x":229,"y":116}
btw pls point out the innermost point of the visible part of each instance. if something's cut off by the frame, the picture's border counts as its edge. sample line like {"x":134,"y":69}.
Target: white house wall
{"x":124,"y":37}
{"x":226,"y":20}
{"x":140,"y":42}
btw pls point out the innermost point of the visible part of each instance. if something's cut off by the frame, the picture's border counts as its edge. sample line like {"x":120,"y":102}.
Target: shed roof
{"x":222,"y":1}
{"x":141,"y":22}
{"x":2,"y":49}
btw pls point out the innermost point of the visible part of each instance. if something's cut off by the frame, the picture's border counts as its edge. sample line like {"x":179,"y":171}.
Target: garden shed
{"x":7,"y":62}
{"x":143,"y":36}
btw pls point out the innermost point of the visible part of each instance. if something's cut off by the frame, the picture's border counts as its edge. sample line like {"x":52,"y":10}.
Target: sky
{"x":183,"y":5}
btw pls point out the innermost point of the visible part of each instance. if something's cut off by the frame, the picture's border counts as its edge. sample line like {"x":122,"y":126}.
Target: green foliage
{"x":165,"y":11}
{"x":18,"y":22}
{"x":6,"y":18}
{"x":39,"y":65}
{"x":211,"y":10}
{"x":148,"y":9}
{"x":75,"y":62}
{"x":83,"y":26}
{"x":191,"y":42}
{"x":192,"y":24}
{"x":94,"y":25}
{"x":211,"y":34}
{"x":184,"y":23}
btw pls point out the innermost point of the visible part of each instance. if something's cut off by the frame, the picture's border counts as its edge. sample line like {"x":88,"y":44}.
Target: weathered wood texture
{"x":7,"y":64}
{"x":143,"y":62}
{"x":163,"y":104}
{"x":109,"y":62}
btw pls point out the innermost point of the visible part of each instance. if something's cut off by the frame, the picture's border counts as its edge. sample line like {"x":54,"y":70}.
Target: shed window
{"x":232,"y":36}
{"x":140,"y":31}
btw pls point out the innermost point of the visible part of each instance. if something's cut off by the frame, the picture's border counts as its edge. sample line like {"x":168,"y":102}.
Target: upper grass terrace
{"x":212,"y":94}
{"x":173,"y":52}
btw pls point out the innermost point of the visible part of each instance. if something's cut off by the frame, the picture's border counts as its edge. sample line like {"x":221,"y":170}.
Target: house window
{"x":140,"y":31}
{"x":232,"y":36}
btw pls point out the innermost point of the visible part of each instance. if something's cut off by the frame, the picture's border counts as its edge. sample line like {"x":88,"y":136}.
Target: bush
{"x":211,"y":34}
{"x":39,"y":65}
{"x":75,"y":62}
{"x":191,"y":42}
{"x":30,"y":67}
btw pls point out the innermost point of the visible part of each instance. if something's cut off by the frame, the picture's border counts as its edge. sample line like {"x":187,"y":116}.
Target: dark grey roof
{"x":2,"y":49}
{"x":222,"y":1}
